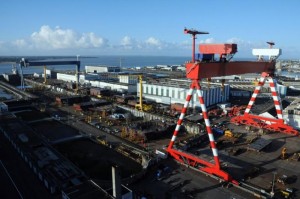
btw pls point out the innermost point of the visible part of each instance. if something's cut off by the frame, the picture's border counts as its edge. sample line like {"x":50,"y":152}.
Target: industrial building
{"x":71,"y":77}
{"x":174,"y":91}
{"x":249,"y":85}
{"x":292,"y":114}
{"x":51,"y":168}
{"x":102,"y":69}
{"x":246,"y":83}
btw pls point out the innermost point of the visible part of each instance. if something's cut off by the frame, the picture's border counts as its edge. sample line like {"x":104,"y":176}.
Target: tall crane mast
{"x":193,"y":33}
{"x":140,"y":105}
{"x":208,"y":67}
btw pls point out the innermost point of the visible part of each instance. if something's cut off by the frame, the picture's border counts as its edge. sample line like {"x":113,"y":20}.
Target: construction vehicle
{"x":228,"y":138}
{"x":203,"y":68}
{"x":102,"y":140}
{"x":285,"y":193}
{"x":228,"y":133}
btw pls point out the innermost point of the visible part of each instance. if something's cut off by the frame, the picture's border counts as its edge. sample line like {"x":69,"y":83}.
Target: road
{"x":185,"y":183}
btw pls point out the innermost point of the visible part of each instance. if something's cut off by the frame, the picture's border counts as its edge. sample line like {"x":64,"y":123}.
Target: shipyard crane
{"x":26,"y":63}
{"x":207,"y":68}
{"x":140,"y":106}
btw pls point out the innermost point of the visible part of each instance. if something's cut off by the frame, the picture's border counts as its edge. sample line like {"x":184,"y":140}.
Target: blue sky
{"x":149,"y":27}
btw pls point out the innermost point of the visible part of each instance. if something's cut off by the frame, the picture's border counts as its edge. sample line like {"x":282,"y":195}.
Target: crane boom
{"x":216,"y":69}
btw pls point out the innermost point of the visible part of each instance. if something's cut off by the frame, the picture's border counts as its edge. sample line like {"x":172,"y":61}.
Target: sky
{"x":148,"y":27}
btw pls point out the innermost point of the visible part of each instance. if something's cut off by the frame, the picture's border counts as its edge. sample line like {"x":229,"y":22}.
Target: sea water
{"x":123,"y":61}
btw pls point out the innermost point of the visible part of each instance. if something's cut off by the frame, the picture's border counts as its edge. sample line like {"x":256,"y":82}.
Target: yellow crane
{"x":141,"y":106}
{"x":283,"y":153}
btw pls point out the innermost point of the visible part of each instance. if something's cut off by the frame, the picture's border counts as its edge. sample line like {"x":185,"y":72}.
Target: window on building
{"x":162,"y":92}
{"x":167,"y":93}
{"x":179,"y":94}
{"x":156,"y":92}
{"x":173,"y":93}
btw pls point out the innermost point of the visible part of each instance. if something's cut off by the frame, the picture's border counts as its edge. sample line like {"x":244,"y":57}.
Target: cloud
{"x":129,"y":43}
{"x":151,"y":41}
{"x":19,"y":43}
{"x":245,"y":45}
{"x":58,"y":38}
{"x":61,"y":40}
{"x":208,"y":41}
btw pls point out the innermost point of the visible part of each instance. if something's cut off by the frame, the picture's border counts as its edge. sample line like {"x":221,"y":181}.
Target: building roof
{"x":86,"y":190}
{"x":184,"y":84}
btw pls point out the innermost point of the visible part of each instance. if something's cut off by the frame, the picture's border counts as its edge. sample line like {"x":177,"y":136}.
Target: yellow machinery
{"x":228,"y":133}
{"x":283,"y":153}
{"x":140,"y":105}
{"x":285,"y":193}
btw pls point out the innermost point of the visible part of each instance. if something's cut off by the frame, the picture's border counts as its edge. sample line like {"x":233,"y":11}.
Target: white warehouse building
{"x":175,"y":91}
{"x":165,"y":91}
{"x":102,"y":69}
{"x":122,"y":83}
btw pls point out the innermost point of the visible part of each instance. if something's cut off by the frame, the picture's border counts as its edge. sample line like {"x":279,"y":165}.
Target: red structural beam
{"x":199,"y":70}
{"x":218,"y":48}
{"x":260,"y":122}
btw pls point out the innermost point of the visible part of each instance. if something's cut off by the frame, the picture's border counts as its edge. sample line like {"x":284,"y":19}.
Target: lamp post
{"x":272,"y":192}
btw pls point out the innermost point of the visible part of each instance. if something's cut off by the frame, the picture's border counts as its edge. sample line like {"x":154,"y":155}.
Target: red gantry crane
{"x":208,"y":67}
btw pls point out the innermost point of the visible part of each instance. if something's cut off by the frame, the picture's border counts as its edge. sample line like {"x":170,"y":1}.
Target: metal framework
{"x":26,"y":63}
{"x":190,"y":159}
{"x":277,"y":124}
{"x":197,"y":69}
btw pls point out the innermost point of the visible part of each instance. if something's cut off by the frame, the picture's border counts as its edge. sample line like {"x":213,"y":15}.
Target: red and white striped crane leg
{"x":276,"y":98}
{"x":255,"y":93}
{"x":208,"y":127}
{"x":179,"y":122}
